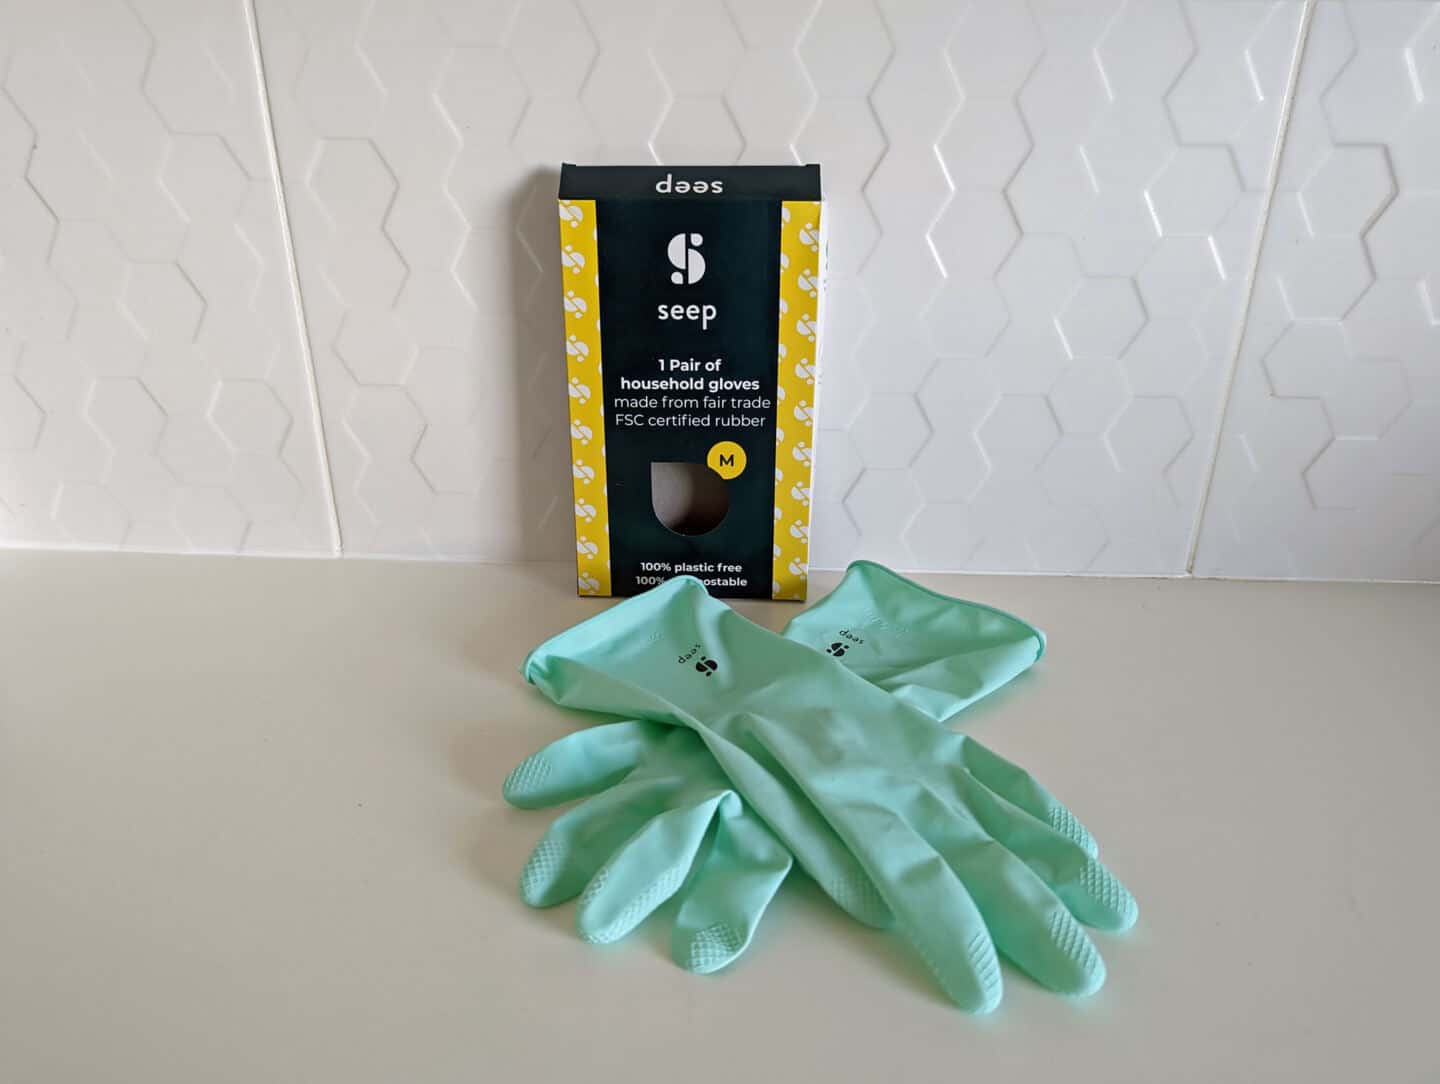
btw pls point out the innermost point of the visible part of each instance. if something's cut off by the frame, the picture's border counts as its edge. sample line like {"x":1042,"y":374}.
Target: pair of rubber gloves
{"x":744,"y":752}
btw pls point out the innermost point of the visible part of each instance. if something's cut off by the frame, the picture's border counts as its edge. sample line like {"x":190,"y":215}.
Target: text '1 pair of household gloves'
{"x":743,"y":752}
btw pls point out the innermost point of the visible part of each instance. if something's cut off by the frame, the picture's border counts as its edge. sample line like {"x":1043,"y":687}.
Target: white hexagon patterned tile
{"x":154,"y":392}
{"x":1043,"y":220}
{"x":419,"y":152}
{"x":1107,"y":163}
{"x":1329,"y":462}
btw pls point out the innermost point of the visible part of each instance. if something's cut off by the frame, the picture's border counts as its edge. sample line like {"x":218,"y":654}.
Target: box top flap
{"x":690,"y":182}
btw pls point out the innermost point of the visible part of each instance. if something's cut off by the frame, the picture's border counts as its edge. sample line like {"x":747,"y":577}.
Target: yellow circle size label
{"x":727,"y":459}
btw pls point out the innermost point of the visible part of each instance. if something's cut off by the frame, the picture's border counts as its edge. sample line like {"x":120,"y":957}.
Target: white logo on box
{"x":684,"y":253}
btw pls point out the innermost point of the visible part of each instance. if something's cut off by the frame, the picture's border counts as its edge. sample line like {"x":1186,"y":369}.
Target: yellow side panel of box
{"x":580,"y":262}
{"x":800,"y":260}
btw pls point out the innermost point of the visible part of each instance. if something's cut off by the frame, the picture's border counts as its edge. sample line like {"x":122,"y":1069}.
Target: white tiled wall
{"x":1043,"y":350}
{"x":1330,"y":459}
{"x":153,"y":387}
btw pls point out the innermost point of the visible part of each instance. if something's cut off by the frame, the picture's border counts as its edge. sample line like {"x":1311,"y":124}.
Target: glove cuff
{"x":936,"y":652}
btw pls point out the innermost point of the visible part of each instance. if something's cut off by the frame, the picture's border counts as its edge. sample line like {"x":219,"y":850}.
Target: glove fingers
{"x":1091,"y":892}
{"x":735,"y":882}
{"x":580,"y":841}
{"x":1029,"y":923}
{"x":889,"y":860}
{"x":1017,"y":786}
{"x":581,"y":764}
{"x":645,"y":872}
{"x":818,"y":847}
{"x":932,"y":908}
{"x":1098,"y":898}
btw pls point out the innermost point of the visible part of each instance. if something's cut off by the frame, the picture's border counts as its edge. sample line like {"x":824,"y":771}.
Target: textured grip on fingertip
{"x":979,"y":987}
{"x":712,"y":948}
{"x":986,"y":964}
{"x":1071,"y":940}
{"x":1069,"y":826}
{"x":540,"y":871}
{"x":526,"y":778}
{"x":857,"y":897}
{"x":633,"y":913}
{"x":1104,"y":887}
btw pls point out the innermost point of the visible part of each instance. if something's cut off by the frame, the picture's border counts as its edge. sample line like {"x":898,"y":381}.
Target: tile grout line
{"x":272,"y":147}
{"x":1227,"y":388}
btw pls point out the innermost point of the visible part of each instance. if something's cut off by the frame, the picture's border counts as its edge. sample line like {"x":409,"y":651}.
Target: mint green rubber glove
{"x":661,"y":812}
{"x":660,"y":791}
{"x":867,"y":792}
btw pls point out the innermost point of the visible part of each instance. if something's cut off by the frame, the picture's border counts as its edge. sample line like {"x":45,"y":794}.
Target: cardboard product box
{"x":692,"y":314}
